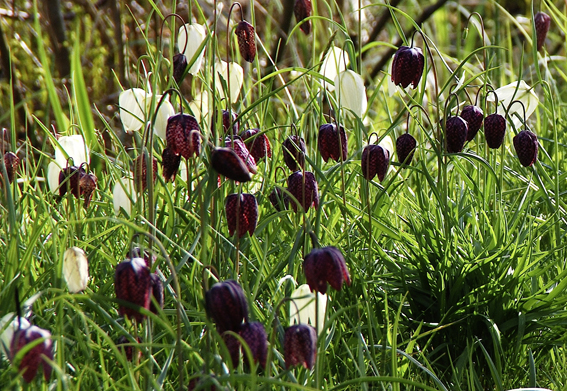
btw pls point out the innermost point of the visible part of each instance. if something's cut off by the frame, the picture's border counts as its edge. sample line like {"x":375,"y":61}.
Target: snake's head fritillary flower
{"x":69,"y":150}
{"x":132,"y":283}
{"x":300,"y":346}
{"x":183,"y":135}
{"x":189,"y":39}
{"x":302,"y":10}
{"x":474,"y":117}
{"x":226,"y":305}
{"x":246,"y":40}
{"x":303,"y":186}
{"x":226,"y":162}
{"x":170,"y":162}
{"x":75,"y":269}
{"x":334,"y":63}
{"x":526,"y":146}
{"x":141,"y":172}
{"x":278,"y":199}
{"x":325,"y":265}
{"x":9,"y":324}
{"x":405,"y":148}
{"x":351,"y":92}
{"x":36,"y":356}
{"x":257,"y":143}
{"x":256,"y":338}
{"x":456,"y":130}
{"x":407,"y":66}
{"x":294,"y":152}
{"x":241,"y":214}
{"x":236,"y":80}
{"x":243,"y":153}
{"x":332,"y":142}
{"x":494,"y":130}
{"x":123,"y":194}
{"x":375,"y":161}
{"x":542,"y":22}
{"x":520,"y":91}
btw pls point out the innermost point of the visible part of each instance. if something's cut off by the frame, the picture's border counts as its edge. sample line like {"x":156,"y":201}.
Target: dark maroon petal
{"x":294,"y":152}
{"x":69,"y":180}
{"x":132,"y":283}
{"x":407,"y":66}
{"x":456,"y":130}
{"x":542,"y":22}
{"x":339,"y":268}
{"x":170,"y":162}
{"x":315,"y":267}
{"x":368,"y":162}
{"x":526,"y":146}
{"x":419,"y":61}
{"x":243,"y":153}
{"x":226,"y":162}
{"x":474,"y":116}
{"x":305,"y":190}
{"x":180,"y":136}
{"x":12,"y":162}
{"x":494,"y":130}
{"x":405,"y":147}
{"x":332,"y":142}
{"x":141,"y":172}
{"x":226,"y":305}
{"x":300,"y":346}
{"x":246,"y":40}
{"x":258,"y":144}
{"x":241,"y":210}
{"x":382,"y":161}
{"x":255,"y":336}
{"x":36,"y":356}
{"x":278,"y":199}
{"x":233,"y":346}
{"x":157,"y":292}
{"x":302,"y":10}
{"x":179,"y":66}
{"x":228,"y":118}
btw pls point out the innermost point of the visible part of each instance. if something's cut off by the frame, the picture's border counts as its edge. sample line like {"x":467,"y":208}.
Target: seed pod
{"x":69,"y":180}
{"x":183,"y":135}
{"x":494,"y":130}
{"x":257,"y":340}
{"x":456,"y":130}
{"x":304,"y":189}
{"x":226,"y":305}
{"x":225,"y":161}
{"x":278,"y":199}
{"x":329,"y":143}
{"x":170,"y":162}
{"x":294,"y":152}
{"x":128,"y":348}
{"x":242,"y":213}
{"x":246,"y":40}
{"x":258,"y":144}
{"x":302,"y":10}
{"x":141,"y":172}
{"x":243,"y":153}
{"x":36,"y":356}
{"x":300,"y":346}
{"x":375,"y":161}
{"x":87,"y":186}
{"x":542,"y":22}
{"x":179,"y":66}
{"x":474,"y":117}
{"x":157,"y":292}
{"x":325,"y":265}
{"x":407,"y":66}
{"x":526,"y":146}
{"x":132,"y":283}
{"x":12,"y":162}
{"x":405,"y":147}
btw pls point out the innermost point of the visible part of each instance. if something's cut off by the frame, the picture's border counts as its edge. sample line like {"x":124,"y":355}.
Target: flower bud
{"x":246,"y":40}
{"x":241,"y":214}
{"x":75,"y":269}
{"x":542,"y":22}
{"x":303,"y":186}
{"x":141,"y":172}
{"x":179,"y":66}
{"x":132,"y":283}
{"x":36,"y":356}
{"x":407,"y":67}
{"x":226,"y":305}
{"x":300,"y":346}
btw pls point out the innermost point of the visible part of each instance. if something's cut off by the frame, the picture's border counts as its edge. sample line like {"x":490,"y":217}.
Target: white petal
{"x":236,"y":79}
{"x":75,"y":269}
{"x":200,"y":109}
{"x":305,"y":302}
{"x":521,"y":92}
{"x":165,"y":111}
{"x":121,"y":194}
{"x":75,"y":147}
{"x":335,"y":62}
{"x":387,"y":144}
{"x":350,"y":92}
{"x":53,"y":171}
{"x":9,"y":330}
{"x":197,"y":34}
{"x":132,"y":104}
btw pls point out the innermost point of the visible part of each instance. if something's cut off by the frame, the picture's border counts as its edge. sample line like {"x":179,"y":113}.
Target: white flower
{"x":304,"y":299}
{"x":522,"y":92}
{"x":123,"y":194}
{"x":134,"y":110}
{"x":9,"y":324}
{"x":334,"y":63}
{"x":351,"y":93}
{"x":75,"y":269}
{"x":236,"y":79}
{"x":197,"y":34}
{"x":72,"y":147}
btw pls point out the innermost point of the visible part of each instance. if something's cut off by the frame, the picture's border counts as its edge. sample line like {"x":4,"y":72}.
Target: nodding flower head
{"x":183,"y":135}
{"x":300,"y":346}
{"x":246,"y":40}
{"x":257,"y":143}
{"x":474,"y":116}
{"x":294,"y":152}
{"x":241,"y":214}
{"x":303,"y":186}
{"x":226,"y":305}
{"x":38,"y":355}
{"x":325,"y":265}
{"x":407,"y":67}
{"x":332,"y":142}
{"x":405,"y":147}
{"x":456,"y":130}
{"x":302,"y":10}
{"x":375,"y":161}
{"x":526,"y":146}
{"x":226,"y":162}
{"x":132,"y":283}
{"x":12,"y":162}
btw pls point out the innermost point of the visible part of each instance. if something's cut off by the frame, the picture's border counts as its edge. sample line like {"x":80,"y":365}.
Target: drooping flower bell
{"x":375,"y":161}
{"x":526,"y":146}
{"x":11,"y":162}
{"x":332,"y":142}
{"x":302,"y":10}
{"x":123,"y":194}
{"x":226,"y":162}
{"x":257,"y":143}
{"x":335,"y":62}
{"x":226,"y":305}
{"x":300,"y":346}
{"x":236,"y":80}
{"x":246,"y":40}
{"x":351,"y":92}
{"x":456,"y":130}
{"x":170,"y":162}
{"x":87,"y":186}
{"x":325,"y":265}
{"x":405,"y":148}
{"x":228,"y":118}
{"x":36,"y":356}
{"x":294,"y":152}
{"x":183,"y":135}
{"x":407,"y":66}
{"x":243,"y":153}
{"x":75,"y":269}
{"x":69,"y":180}
{"x":141,"y":172}
{"x":494,"y":130}
{"x":542,"y":22}
{"x":303,"y":186}
{"x":135,"y":105}
{"x":474,"y":116}
{"x":256,"y":338}
{"x":189,"y":39}
{"x":179,"y":66}
{"x":132,"y":283}
{"x":241,"y":214}
{"x":68,"y":150}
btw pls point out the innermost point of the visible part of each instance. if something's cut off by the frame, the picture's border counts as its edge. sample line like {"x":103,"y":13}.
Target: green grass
{"x":457,"y":261}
